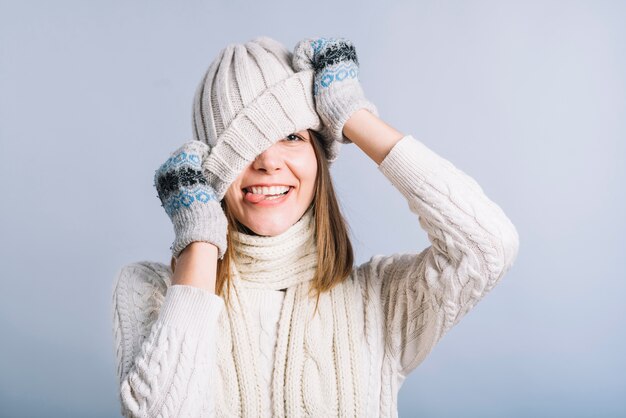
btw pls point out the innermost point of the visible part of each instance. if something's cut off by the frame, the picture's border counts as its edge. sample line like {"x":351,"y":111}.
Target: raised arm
{"x":165,"y":323}
{"x":423,"y":294}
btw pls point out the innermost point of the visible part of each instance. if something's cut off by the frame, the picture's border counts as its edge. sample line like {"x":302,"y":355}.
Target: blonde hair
{"x":335,"y":256}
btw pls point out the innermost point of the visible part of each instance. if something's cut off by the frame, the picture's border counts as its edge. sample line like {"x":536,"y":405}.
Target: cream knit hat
{"x":249,"y":98}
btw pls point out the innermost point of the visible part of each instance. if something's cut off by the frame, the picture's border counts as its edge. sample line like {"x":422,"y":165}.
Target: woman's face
{"x":257,"y":197}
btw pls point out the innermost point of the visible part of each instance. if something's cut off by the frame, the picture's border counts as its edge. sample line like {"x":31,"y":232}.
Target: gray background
{"x":526,"y":97}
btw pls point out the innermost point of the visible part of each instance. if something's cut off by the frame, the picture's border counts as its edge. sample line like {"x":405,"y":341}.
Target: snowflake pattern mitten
{"x":336,"y":89}
{"x":189,"y":200}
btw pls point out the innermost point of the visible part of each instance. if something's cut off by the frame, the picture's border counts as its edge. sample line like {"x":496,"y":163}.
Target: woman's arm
{"x":371,"y":134}
{"x":421,"y":295}
{"x":196,"y":266}
{"x":165,"y":337}
{"x":165,"y":321}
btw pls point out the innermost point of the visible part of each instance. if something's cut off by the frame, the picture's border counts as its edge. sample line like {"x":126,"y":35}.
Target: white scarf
{"x":317,"y":359}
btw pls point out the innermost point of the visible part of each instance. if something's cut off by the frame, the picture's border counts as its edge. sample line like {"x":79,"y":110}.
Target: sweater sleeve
{"x":164,"y":343}
{"x":473,"y":244}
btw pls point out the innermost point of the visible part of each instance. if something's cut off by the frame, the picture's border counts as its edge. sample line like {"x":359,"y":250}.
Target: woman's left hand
{"x":336,"y":89}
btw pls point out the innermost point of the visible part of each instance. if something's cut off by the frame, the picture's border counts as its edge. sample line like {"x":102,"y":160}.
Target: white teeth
{"x":274,"y":190}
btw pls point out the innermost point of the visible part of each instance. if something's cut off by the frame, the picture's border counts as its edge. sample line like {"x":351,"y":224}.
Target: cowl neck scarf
{"x":317,"y":357}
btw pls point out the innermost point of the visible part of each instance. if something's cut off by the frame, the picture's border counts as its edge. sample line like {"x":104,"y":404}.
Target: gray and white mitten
{"x":337,"y":90}
{"x":189,"y":200}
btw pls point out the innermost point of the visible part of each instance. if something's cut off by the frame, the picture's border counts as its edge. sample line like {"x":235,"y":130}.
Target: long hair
{"x":335,"y":256}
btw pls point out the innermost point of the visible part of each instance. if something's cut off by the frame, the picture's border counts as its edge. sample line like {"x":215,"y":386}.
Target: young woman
{"x":261,"y":311}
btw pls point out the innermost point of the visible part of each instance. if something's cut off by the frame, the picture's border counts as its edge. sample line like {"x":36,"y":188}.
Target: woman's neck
{"x":280,"y":261}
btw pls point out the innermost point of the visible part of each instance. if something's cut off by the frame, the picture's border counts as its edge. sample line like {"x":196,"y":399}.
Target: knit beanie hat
{"x":249,"y":98}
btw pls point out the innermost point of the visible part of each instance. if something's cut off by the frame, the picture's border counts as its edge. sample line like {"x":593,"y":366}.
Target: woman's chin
{"x":267,"y":228}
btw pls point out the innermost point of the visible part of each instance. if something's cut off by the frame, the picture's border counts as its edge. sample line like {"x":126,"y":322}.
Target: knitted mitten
{"x":189,"y":200}
{"x":336,"y":89}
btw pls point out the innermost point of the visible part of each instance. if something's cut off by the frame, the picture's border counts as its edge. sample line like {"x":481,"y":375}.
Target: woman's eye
{"x":293,"y":137}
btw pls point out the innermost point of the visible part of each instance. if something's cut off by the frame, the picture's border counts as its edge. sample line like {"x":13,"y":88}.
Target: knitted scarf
{"x":317,"y":358}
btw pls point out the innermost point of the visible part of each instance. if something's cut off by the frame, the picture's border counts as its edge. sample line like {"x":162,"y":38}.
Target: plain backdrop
{"x":527,"y":97}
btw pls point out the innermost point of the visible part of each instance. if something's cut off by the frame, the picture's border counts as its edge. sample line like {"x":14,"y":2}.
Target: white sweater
{"x":166,"y":335}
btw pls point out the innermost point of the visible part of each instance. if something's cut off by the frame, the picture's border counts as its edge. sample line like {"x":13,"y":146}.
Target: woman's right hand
{"x":189,"y":200}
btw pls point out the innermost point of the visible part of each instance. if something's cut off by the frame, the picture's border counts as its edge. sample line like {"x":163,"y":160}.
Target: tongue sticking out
{"x":254,"y":198}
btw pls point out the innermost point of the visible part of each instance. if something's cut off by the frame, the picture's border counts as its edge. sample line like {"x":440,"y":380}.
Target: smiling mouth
{"x":246,"y":191}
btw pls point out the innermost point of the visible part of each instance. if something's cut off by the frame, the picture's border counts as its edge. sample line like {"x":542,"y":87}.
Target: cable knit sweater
{"x":166,"y":336}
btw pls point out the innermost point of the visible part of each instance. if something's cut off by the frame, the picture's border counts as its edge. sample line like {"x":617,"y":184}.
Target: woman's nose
{"x":269,"y":160}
